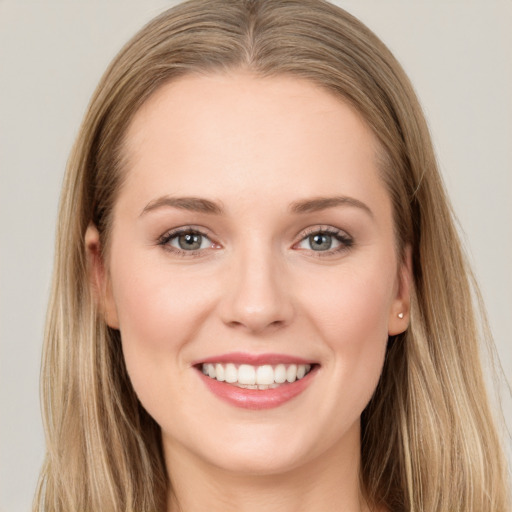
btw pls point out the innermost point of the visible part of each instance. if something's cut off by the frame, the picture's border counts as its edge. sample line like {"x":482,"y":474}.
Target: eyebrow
{"x":201,"y":205}
{"x":323,"y":203}
{"x":192,"y":204}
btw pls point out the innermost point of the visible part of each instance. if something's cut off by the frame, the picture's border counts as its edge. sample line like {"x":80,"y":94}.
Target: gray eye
{"x":190,"y":241}
{"x":320,"y":242}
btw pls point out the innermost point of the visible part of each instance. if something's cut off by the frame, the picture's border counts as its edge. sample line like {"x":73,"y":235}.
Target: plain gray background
{"x":52,"y":54}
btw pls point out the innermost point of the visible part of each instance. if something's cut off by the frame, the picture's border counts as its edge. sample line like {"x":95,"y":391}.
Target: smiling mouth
{"x":260,"y":377}
{"x":256,"y":381}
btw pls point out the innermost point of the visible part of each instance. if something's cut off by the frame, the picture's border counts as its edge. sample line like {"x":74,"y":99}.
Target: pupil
{"x":320,"y":242}
{"x":190,"y":241}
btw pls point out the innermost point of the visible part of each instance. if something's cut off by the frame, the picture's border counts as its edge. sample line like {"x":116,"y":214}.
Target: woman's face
{"x":253,"y":239}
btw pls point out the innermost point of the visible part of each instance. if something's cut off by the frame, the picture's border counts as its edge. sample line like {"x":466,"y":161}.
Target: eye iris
{"x":320,"y":242}
{"x":190,"y":241}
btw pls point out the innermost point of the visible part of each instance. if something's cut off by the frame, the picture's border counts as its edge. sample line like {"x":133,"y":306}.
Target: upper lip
{"x":254,"y":359}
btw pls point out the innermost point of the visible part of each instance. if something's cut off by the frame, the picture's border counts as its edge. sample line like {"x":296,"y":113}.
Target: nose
{"x":257,"y":297}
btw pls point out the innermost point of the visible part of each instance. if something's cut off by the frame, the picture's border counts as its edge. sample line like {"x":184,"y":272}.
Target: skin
{"x":254,"y":146}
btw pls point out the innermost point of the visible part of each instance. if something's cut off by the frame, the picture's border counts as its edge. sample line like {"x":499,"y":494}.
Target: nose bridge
{"x":257,"y":297}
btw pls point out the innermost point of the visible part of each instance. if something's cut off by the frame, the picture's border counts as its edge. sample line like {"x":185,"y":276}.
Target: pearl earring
{"x":400,"y":315}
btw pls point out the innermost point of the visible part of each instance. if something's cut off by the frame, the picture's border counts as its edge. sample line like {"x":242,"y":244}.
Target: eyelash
{"x":346,"y":242}
{"x":166,"y":238}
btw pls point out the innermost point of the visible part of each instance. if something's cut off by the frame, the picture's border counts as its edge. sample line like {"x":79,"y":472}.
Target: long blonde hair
{"x":428,"y":439}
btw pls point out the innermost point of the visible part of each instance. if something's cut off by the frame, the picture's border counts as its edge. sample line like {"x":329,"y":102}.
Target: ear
{"x":98,"y":277}
{"x":399,"y":314}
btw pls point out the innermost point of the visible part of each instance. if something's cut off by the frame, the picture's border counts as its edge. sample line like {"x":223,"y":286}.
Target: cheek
{"x":351,"y":306}
{"x":159,"y":313}
{"x":351,"y":316}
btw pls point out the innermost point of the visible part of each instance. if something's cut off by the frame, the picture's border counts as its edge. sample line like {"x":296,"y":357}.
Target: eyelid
{"x":346,"y":241}
{"x":170,"y":234}
{"x":323,"y":228}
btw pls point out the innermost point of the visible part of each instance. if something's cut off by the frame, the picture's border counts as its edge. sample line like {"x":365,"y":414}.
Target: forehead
{"x":221,"y":135}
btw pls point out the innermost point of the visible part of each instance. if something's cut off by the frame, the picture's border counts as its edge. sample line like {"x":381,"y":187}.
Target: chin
{"x":263,"y":460}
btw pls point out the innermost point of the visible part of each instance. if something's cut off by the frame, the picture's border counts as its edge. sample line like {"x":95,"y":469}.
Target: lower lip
{"x":258,"y":398}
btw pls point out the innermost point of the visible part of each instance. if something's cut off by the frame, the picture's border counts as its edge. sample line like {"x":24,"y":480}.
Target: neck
{"x":328,"y":483}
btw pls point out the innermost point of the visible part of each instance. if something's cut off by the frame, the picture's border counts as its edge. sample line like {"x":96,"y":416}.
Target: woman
{"x":260,"y":299}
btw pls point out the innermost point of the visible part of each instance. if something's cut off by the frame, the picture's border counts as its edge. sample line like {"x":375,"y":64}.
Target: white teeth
{"x":246,"y":374}
{"x":280,"y":374}
{"x":230,"y":373}
{"x":219,"y":371}
{"x":265,"y":375}
{"x":256,"y":377}
{"x":291,"y":373}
